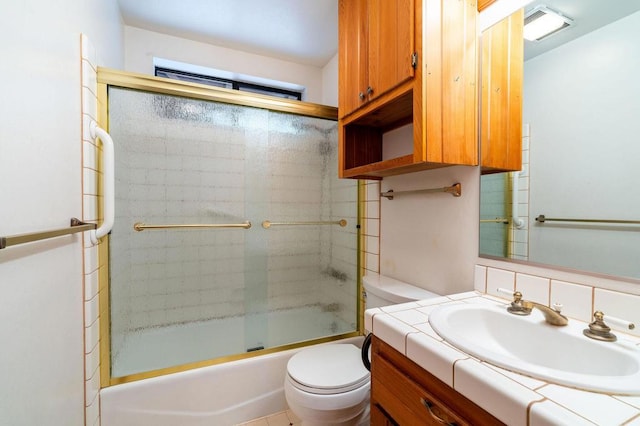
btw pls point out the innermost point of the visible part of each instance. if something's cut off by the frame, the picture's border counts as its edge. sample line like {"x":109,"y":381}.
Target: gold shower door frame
{"x":108,"y":77}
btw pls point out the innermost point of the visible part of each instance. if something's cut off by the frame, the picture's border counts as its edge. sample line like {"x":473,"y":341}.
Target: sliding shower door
{"x":232,"y":232}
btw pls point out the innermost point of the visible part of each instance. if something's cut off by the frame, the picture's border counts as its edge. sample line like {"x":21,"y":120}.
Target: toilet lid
{"x":328,"y":368}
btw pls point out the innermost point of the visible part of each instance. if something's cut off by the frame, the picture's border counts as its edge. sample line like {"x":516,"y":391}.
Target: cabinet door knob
{"x":369,"y":90}
{"x":435,"y":417}
{"x":361,"y":96}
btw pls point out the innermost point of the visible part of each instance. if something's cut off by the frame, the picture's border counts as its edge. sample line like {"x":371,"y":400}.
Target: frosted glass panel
{"x":180,"y":296}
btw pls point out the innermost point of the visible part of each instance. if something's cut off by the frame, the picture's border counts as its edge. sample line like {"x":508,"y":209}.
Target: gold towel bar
{"x":543,"y":219}
{"x":75,"y":226}
{"x":496,"y":220}
{"x":455,"y":190}
{"x":138,"y":226}
{"x":268,"y":224}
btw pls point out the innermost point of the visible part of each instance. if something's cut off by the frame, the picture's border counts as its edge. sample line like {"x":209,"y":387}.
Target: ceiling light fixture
{"x":541,"y":22}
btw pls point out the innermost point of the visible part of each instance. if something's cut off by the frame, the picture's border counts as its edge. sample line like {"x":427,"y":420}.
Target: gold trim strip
{"x":202,"y":91}
{"x":139,"y":226}
{"x":75,"y":226}
{"x":268,"y":224}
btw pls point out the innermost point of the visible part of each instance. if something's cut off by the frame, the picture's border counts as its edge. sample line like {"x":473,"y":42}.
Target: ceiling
{"x":306,"y":31}
{"x":301,"y":31}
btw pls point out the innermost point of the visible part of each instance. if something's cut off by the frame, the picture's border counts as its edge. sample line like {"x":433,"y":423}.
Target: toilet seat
{"x":328,"y":369}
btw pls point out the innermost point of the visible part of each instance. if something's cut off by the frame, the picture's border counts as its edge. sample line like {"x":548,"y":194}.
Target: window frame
{"x":230,"y":83}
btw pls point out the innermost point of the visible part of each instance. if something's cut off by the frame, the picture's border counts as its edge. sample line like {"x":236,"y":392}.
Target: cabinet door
{"x":502,"y":69}
{"x":352,"y":56}
{"x":391,"y":45}
{"x":405,"y":394}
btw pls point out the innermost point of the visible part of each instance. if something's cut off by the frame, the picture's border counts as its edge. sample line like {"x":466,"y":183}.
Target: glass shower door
{"x":180,"y":295}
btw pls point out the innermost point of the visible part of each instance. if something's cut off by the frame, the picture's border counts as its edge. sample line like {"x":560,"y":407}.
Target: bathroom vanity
{"x":404,"y":393}
{"x":418,"y":378}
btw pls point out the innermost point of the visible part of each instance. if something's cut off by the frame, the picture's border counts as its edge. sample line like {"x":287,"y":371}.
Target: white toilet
{"x":329,"y":384}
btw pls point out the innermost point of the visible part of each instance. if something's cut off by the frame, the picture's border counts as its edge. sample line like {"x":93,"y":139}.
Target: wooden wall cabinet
{"x":419,"y":59}
{"x":501,"y":113}
{"x":402,"y":393}
{"x":376,"y":49}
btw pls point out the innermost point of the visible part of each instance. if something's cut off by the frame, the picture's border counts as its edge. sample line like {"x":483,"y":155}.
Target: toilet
{"x":329,"y":384}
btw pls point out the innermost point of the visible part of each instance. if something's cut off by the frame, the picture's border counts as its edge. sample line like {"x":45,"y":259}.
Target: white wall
{"x":584,"y":148}
{"x":141,"y":46}
{"x":330,"y":82}
{"x":431,"y":240}
{"x":41,"y":309}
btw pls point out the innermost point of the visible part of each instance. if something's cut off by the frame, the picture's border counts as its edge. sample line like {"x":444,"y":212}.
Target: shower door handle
{"x":139,"y":226}
{"x":108,"y":181}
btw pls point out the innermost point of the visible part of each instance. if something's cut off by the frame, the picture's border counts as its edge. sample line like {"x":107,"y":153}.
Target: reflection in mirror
{"x":581,"y":156}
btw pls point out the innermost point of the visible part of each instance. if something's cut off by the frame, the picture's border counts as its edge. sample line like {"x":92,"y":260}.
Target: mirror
{"x":581,"y":148}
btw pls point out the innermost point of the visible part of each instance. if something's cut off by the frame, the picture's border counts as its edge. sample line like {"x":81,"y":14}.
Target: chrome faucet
{"x":524,"y":307}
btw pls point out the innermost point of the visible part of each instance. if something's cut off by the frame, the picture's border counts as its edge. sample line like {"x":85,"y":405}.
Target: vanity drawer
{"x":405,"y":401}
{"x":410,"y":395}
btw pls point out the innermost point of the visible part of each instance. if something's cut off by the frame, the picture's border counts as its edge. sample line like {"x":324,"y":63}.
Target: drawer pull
{"x":437,"y":418}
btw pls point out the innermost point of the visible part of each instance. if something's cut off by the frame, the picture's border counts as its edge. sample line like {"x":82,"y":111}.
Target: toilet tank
{"x":383,"y":291}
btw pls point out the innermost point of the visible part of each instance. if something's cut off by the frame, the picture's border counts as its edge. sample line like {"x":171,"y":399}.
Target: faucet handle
{"x":557,"y":307}
{"x":600,"y":331}
{"x":517,"y":307}
{"x":506,"y":291}
{"x":620,"y":322}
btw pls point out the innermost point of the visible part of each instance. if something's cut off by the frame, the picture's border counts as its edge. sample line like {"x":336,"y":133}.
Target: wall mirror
{"x":581,"y":148}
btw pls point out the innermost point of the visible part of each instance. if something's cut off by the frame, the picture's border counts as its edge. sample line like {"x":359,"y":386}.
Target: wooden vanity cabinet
{"x":418,"y":58}
{"x":403,"y":393}
{"x":501,"y":114}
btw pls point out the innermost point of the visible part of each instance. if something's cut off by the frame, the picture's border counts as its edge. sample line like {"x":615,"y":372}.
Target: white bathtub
{"x":219,"y":395}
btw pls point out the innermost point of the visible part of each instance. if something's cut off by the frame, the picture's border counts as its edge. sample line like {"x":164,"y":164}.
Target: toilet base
{"x":346,"y":409}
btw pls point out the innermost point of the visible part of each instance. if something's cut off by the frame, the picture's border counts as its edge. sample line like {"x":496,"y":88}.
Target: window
{"x":228,"y":83}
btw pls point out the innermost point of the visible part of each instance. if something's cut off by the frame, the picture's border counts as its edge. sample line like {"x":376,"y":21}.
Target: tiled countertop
{"x":513,"y":398}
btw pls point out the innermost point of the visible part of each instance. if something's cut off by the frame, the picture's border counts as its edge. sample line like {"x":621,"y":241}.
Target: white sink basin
{"x":529,"y":346}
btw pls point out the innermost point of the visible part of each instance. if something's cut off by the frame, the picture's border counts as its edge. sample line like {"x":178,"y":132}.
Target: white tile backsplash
{"x":576,"y":299}
{"x":480,"y":278}
{"x":533,"y":288}
{"x":500,"y":278}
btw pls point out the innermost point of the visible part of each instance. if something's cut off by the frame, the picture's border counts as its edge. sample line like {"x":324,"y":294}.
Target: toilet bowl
{"x":329,"y":384}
